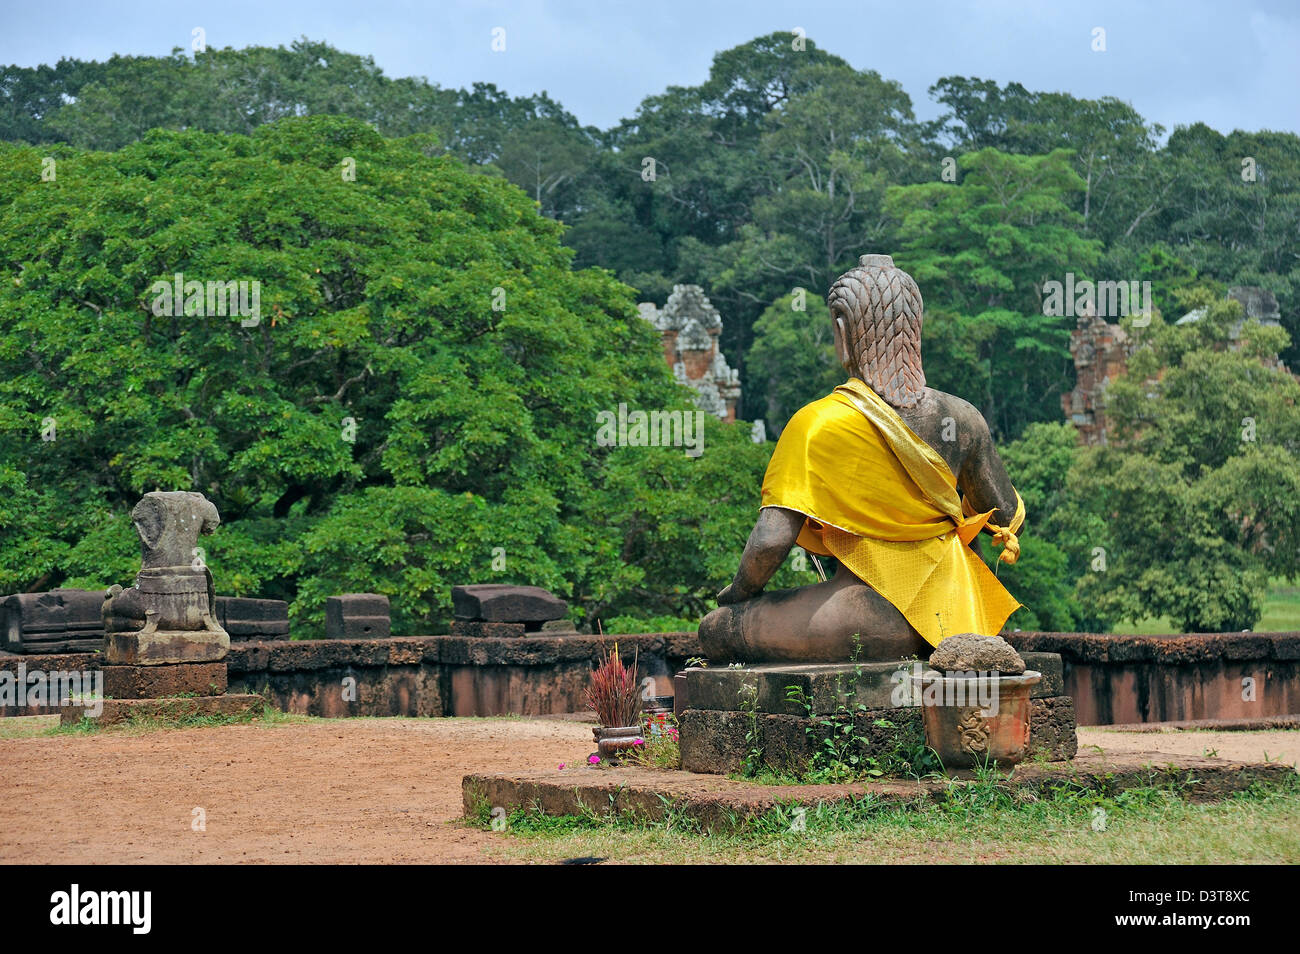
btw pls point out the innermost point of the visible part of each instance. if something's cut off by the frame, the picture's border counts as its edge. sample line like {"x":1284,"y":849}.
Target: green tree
{"x":420,"y":389}
{"x":793,"y":357}
{"x":1195,"y":502}
{"x":1040,"y":463}
{"x":981,"y":250}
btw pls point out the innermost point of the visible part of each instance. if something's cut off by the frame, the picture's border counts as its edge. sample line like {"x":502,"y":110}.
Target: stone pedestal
{"x":779,"y":709}
{"x":164,"y":647}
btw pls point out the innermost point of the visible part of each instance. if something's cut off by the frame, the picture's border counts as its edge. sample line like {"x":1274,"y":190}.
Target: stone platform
{"x":728,"y":713}
{"x":720,"y":802}
{"x":123,"y":710}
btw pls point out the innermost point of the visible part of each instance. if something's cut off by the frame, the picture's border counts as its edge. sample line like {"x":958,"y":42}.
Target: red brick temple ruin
{"x":690,"y":326}
{"x":1101,"y":351}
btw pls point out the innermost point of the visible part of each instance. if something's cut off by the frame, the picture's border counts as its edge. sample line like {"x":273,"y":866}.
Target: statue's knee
{"x":720,"y":634}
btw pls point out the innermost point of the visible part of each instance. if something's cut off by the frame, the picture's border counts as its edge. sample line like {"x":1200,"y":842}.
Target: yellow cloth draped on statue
{"x":884,"y":503}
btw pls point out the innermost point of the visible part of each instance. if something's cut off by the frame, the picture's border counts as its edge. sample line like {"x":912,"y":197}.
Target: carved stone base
{"x":160,"y":647}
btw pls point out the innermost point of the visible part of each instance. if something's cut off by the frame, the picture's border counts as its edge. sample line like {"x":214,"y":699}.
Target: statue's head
{"x":876,"y":310}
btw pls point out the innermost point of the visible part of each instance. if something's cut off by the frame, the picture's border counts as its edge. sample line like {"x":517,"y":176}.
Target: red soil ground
{"x":339,"y":791}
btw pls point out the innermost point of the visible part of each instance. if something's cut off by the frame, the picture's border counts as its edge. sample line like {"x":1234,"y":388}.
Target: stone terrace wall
{"x":1112,"y":679}
{"x":1124,"y":679}
{"x":418,"y":676}
{"x":446,"y":675}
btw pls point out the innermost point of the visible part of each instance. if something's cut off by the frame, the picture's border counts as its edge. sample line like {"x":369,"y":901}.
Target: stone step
{"x":721,"y":803}
{"x":151,"y":682}
{"x":123,"y":710}
{"x":716,"y":741}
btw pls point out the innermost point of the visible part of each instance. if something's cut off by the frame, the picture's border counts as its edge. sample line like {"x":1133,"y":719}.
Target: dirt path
{"x":1282,"y":744}
{"x":343,"y":791}
{"x":338,"y":791}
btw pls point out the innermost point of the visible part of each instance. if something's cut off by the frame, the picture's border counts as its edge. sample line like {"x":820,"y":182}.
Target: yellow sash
{"x":885,"y":504}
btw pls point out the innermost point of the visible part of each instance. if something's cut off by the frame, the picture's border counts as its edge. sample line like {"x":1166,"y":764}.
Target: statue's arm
{"x":769,"y":542}
{"x":984,"y":479}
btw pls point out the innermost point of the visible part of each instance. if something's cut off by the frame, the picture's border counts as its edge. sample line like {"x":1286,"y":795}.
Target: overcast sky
{"x":1229,"y":63}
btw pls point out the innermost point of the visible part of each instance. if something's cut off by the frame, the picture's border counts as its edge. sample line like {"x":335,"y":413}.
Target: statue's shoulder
{"x":953,"y":406}
{"x":939,"y":411}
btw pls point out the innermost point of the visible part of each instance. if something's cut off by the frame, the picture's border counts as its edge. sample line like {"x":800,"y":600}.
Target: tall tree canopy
{"x":419,"y":394}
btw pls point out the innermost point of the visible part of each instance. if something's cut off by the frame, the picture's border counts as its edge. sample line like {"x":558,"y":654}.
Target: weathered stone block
{"x":152,"y":682}
{"x":161,"y":648}
{"x":122,"y":710}
{"x":1052,"y":732}
{"x":246,"y":618}
{"x":504,"y":603}
{"x":357,"y":616}
{"x":63,"y":620}
{"x":1053,"y":671}
{"x":481,"y":629}
{"x":830,"y":687}
{"x":713,"y":740}
{"x":825,"y":686}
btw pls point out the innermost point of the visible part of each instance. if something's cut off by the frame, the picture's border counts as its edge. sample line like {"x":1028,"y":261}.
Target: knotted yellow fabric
{"x":884,"y":503}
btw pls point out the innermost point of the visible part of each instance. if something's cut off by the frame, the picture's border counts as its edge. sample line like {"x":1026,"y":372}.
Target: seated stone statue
{"x":893,"y":479}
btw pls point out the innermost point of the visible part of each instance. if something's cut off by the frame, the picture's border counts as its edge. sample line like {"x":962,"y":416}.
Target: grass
{"x":27,"y":727}
{"x":1281,"y":614}
{"x":980,"y":824}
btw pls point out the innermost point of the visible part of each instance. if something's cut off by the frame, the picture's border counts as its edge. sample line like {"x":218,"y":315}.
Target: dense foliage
{"x":383,"y":426}
{"x":775,"y":173}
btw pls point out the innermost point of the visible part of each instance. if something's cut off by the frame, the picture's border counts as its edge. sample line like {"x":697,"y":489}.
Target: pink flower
{"x":638,"y":741}
{"x":561,"y":766}
{"x":593,"y":759}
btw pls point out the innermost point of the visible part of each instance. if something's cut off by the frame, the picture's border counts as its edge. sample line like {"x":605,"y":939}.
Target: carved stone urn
{"x":975,"y":719}
{"x":614,"y":742}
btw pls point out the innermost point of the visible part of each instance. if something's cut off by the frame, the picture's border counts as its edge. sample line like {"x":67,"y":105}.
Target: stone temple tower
{"x":690,"y":326}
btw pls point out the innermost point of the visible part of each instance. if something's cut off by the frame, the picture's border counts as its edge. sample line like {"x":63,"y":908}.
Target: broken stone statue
{"x":168,"y":615}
